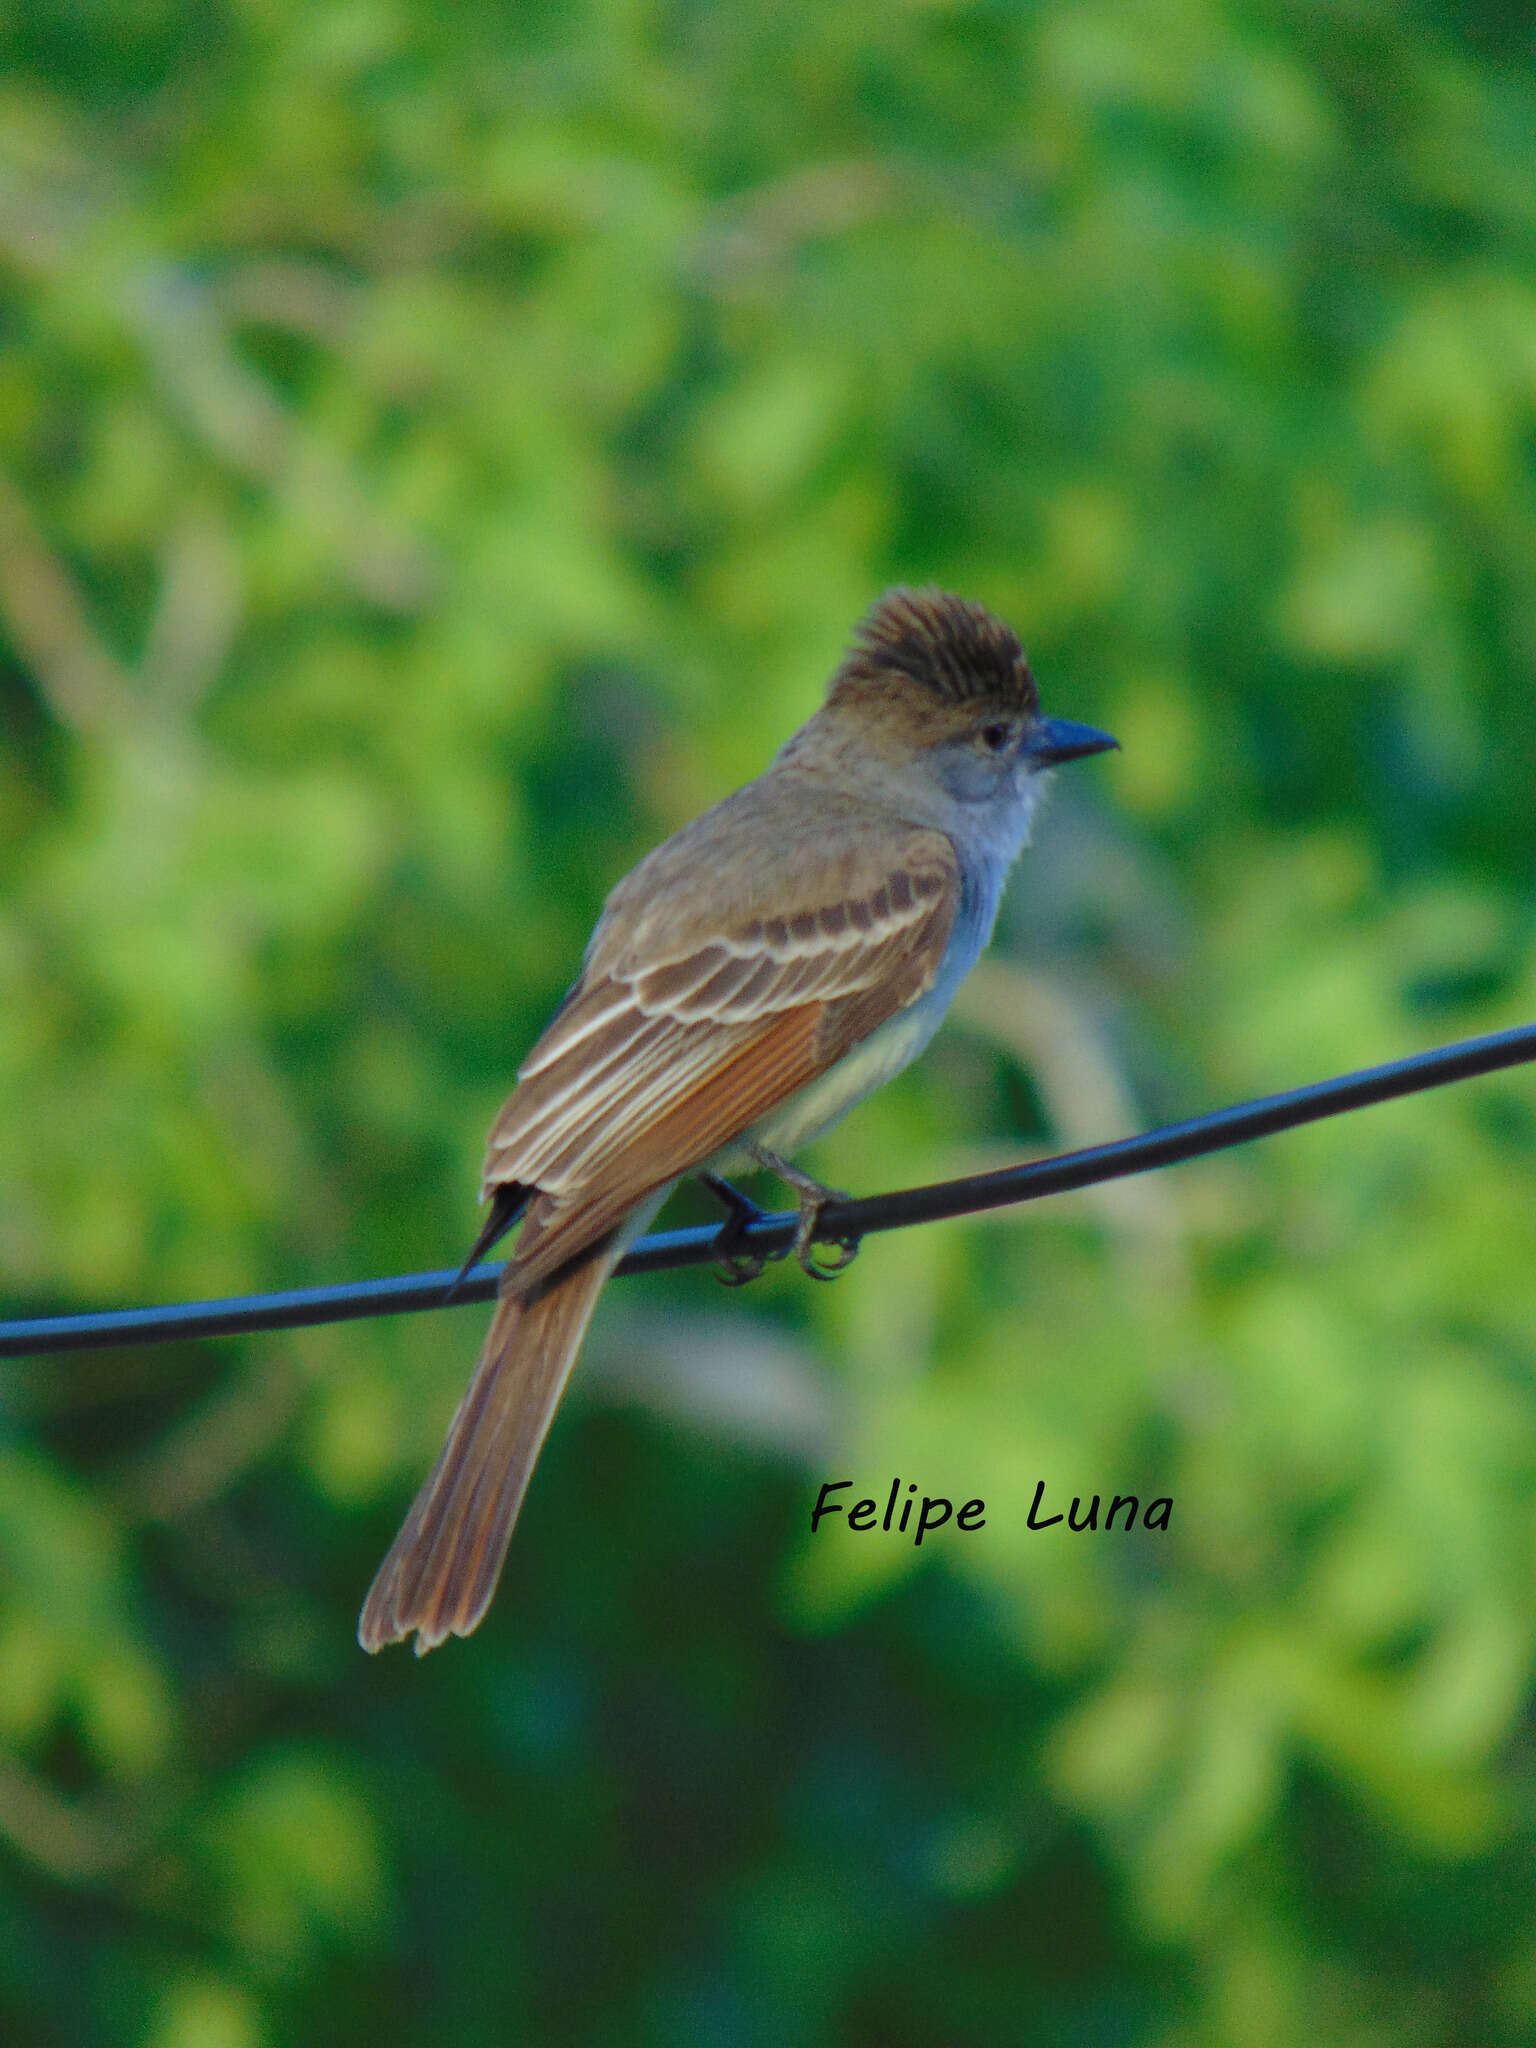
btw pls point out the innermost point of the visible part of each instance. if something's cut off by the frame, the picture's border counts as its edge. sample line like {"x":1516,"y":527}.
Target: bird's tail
{"x":443,"y":1566}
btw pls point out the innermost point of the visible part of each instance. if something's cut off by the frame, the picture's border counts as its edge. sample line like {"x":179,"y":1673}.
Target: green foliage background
{"x":443,"y":447}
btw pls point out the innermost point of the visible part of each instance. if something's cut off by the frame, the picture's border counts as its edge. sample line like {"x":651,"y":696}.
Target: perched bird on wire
{"x":749,"y":982}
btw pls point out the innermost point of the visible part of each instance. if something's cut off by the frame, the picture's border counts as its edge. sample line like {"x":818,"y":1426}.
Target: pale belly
{"x":802,"y":1117}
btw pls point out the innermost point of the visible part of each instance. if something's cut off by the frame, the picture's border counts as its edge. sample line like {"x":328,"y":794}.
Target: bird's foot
{"x":736,"y":1265}
{"x":812,"y":1197}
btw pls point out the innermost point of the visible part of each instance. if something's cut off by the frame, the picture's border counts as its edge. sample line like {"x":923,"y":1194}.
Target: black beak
{"x":1061,"y":739}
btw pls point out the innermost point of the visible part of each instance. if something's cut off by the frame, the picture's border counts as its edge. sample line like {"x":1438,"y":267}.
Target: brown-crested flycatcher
{"x":751,"y":980}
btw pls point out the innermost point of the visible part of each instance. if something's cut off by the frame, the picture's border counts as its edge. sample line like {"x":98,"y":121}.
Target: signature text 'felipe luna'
{"x":935,"y":1510}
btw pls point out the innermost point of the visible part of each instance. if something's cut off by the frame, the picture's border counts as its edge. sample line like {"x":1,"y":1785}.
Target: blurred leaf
{"x":295,"y":1854}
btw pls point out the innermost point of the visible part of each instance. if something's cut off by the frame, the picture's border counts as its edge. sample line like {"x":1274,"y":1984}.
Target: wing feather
{"x":559,"y":1100}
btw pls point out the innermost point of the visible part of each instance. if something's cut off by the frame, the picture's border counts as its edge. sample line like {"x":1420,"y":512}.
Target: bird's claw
{"x":811,"y":1197}
{"x":847,"y":1249}
{"x":735,"y":1266}
{"x":735,"y":1269}
{"x":806,"y":1240}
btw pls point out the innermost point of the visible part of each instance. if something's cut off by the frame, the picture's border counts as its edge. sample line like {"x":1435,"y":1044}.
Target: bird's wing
{"x":649,"y":1069}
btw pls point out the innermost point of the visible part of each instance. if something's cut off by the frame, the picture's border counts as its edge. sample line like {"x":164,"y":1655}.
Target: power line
{"x":1169,"y":1145}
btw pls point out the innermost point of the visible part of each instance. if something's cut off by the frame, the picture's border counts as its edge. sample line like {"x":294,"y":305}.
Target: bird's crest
{"x":956,"y":649}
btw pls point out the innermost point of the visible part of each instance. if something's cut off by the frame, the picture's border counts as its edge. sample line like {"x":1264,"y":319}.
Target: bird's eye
{"x":995,"y":737}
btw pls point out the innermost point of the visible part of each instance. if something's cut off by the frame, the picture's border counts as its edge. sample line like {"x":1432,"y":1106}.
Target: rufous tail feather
{"x":442,"y":1568}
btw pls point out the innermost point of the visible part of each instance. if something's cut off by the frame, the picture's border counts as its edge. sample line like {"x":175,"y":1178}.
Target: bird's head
{"x":937,"y":689}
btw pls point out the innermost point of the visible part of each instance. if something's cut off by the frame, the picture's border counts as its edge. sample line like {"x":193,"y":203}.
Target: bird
{"x":749,"y":982}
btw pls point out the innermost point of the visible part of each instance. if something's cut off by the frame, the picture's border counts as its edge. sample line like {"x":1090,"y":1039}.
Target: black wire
{"x":1167,"y":1146}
